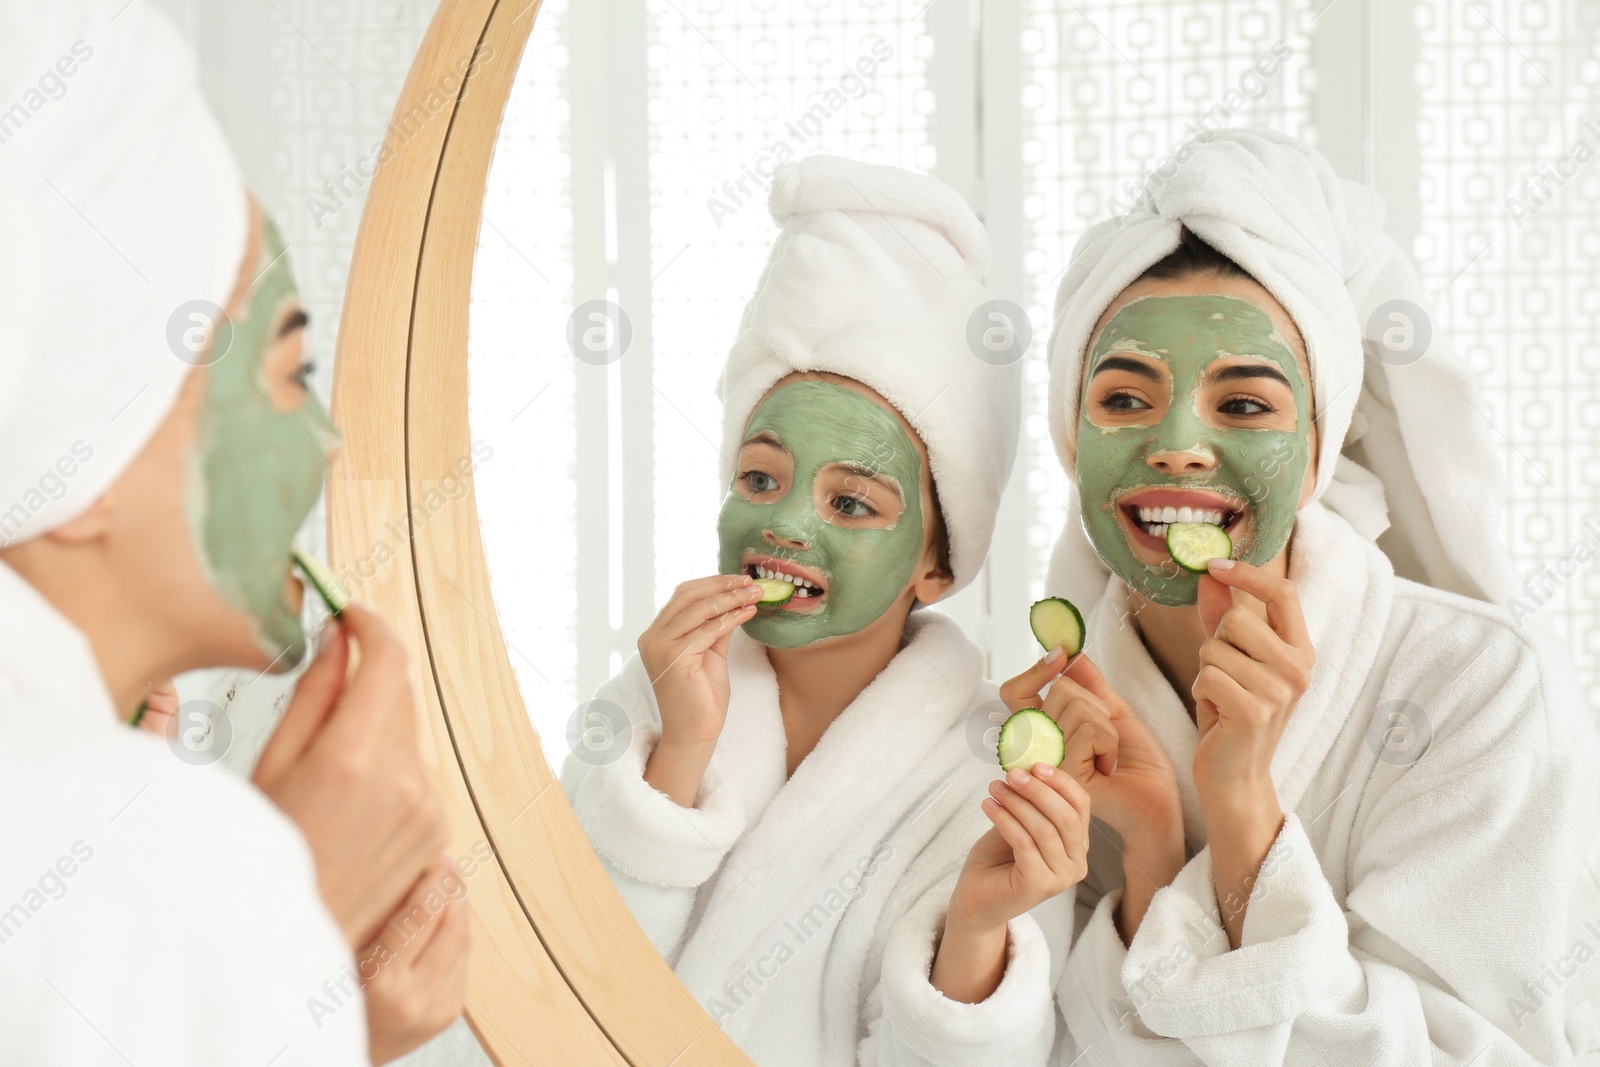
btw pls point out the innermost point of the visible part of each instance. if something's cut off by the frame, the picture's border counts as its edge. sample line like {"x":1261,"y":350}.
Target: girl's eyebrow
{"x":872,"y":476}
{"x":767,"y":437}
{"x":1132,"y":366}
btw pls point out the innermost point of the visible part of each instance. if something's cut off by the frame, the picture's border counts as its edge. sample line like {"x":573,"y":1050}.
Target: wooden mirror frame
{"x":561,"y":973}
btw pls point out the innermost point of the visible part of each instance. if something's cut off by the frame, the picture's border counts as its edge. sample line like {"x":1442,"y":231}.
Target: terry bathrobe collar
{"x":1342,"y":579}
{"x":888,"y":737}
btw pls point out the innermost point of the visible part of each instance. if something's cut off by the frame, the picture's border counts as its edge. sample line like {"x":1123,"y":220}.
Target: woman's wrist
{"x":1241,"y":825}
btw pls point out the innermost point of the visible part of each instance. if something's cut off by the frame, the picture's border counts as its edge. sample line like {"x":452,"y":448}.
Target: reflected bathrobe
{"x":151,"y":912}
{"x":802,"y":913}
{"x":1431,"y":897}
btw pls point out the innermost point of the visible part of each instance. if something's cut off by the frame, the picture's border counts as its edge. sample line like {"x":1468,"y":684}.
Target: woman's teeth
{"x":802,"y":587}
{"x":1155,"y":520}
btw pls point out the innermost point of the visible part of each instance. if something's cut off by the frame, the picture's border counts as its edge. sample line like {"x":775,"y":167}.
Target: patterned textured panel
{"x":1110,"y":88}
{"x":735,"y":89}
{"x":1510,"y":245}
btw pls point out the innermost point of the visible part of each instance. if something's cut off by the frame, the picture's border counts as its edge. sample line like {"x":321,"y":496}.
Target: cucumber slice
{"x":1192,"y":544}
{"x":774,"y":590}
{"x":322,"y":580}
{"x":1028,"y":737}
{"x":1056,"y":622}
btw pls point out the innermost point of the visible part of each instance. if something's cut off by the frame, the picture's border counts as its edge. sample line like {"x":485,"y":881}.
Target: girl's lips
{"x":804,"y":604}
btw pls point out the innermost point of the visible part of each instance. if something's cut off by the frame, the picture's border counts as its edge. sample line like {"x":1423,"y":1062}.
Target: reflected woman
{"x":1383,"y":800}
{"x":799,"y":818}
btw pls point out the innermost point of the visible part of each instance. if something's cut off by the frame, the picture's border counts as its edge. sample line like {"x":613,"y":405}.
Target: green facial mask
{"x":258,"y":470}
{"x":1261,"y":466}
{"x":864,"y":569}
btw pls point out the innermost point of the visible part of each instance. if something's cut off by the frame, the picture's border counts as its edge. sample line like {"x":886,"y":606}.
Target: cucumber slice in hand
{"x":322,"y":580}
{"x":1028,"y":737}
{"x":1193,"y":544}
{"x":1056,"y":622}
{"x":774,"y":590}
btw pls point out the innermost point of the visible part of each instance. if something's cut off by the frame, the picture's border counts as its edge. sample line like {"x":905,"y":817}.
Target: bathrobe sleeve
{"x":921,"y":1027}
{"x":656,"y":852}
{"x":1451,"y":947}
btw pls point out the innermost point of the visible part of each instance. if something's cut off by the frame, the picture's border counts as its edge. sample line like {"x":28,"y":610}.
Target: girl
{"x":793,"y":818}
{"x":1360,"y":834}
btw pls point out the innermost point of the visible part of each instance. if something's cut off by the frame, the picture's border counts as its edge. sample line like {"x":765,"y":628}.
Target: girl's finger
{"x":709,"y":633}
{"x":1024,"y":852}
{"x":1047,"y":839}
{"x":736,"y":591}
{"x":1051,"y":804}
{"x":1091,"y":743}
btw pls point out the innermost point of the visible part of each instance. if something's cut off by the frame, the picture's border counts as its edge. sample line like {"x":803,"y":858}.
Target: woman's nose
{"x":1183,"y":461}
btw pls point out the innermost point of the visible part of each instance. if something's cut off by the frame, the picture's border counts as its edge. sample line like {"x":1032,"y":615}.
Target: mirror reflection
{"x":980,"y":571}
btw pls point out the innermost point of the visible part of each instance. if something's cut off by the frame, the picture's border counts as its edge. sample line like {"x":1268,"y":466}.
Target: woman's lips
{"x":1157,"y":546}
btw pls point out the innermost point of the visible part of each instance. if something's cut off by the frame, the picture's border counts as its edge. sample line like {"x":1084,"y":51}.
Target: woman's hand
{"x":685,"y":653}
{"x":344,"y":766}
{"x":1253,"y":671}
{"x":1038,"y":847}
{"x":414,"y":972}
{"x":1109,"y":750}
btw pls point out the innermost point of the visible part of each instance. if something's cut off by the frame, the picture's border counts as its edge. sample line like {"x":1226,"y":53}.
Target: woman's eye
{"x":760,"y":481}
{"x":1122,"y":402}
{"x":853,"y":507}
{"x":1238,"y":405}
{"x":304,"y":372}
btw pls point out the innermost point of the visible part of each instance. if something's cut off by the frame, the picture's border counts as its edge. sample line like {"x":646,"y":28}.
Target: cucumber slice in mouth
{"x":1030,"y":736}
{"x":1193,"y":544}
{"x":1056,"y":622}
{"x":317,"y":573}
{"x":774,"y":590}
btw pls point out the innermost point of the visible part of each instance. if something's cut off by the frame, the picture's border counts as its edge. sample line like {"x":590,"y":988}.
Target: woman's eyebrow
{"x":1250,"y":370}
{"x":297,"y":319}
{"x":1133,"y":366}
{"x":873,"y":476}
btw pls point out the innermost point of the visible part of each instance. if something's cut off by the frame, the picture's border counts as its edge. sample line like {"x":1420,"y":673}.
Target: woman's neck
{"x":817,"y":682}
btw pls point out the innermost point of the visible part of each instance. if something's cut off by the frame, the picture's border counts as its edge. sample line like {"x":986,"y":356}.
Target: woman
{"x":793,"y":817}
{"x":1355,"y":830}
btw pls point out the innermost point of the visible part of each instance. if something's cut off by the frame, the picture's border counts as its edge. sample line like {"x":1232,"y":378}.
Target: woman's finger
{"x":1278,"y":593}
{"x":1215,"y":684}
{"x":1026,"y":689}
{"x":1090,"y":744}
{"x":1252,"y":675}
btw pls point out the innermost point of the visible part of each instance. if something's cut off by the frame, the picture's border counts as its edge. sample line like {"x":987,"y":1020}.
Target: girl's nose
{"x":785,"y":537}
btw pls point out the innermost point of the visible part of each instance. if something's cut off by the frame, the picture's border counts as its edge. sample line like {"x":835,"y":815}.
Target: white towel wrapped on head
{"x":875,"y":276}
{"x":1405,"y":452}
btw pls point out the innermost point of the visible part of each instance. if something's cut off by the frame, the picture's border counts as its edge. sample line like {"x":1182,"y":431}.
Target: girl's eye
{"x":1122,"y":402}
{"x":1235,"y":406}
{"x":853,"y":507}
{"x":759,"y":481}
{"x":304,"y":372}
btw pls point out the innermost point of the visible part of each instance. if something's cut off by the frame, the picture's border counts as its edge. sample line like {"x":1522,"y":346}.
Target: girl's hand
{"x":1038,"y":847}
{"x":685,"y":652}
{"x":1129,"y":779}
{"x":1253,"y":671}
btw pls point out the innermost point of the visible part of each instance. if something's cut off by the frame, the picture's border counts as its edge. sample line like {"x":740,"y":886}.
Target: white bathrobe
{"x":803,"y":912}
{"x":151,"y":912}
{"x":1436,"y":906}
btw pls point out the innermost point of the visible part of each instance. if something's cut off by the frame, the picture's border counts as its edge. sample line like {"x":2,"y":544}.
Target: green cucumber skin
{"x":1076,"y":614}
{"x":329,"y":597}
{"x":1061,"y":753}
{"x":1204,"y":568}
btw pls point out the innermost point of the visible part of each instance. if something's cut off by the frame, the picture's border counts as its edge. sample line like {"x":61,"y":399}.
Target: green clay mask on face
{"x":1262,"y":467}
{"x":258,"y":470}
{"x":864,"y":568}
